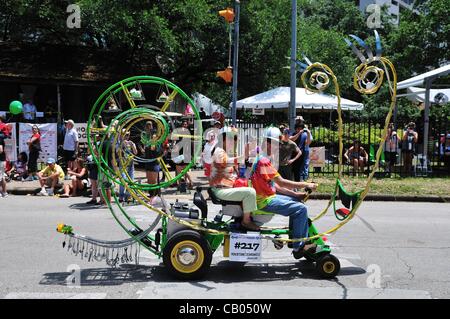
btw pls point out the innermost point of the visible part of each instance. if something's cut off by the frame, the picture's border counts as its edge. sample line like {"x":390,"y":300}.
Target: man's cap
{"x":70,"y":122}
{"x":50,"y":160}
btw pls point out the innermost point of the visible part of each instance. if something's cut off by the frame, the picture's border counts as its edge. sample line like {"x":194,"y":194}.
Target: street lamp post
{"x":235,"y":61}
{"x":293,"y":65}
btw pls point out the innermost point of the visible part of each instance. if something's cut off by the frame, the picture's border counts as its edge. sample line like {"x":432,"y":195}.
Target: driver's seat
{"x":216,"y":200}
{"x":230,"y":208}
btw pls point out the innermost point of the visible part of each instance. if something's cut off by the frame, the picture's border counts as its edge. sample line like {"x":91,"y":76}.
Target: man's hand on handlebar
{"x":310,"y":187}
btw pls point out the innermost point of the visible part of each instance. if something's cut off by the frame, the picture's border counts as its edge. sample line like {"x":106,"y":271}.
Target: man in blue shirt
{"x":303,"y":139}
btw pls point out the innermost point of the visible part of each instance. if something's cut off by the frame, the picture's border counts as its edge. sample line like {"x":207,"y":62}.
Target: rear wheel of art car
{"x":187,"y":255}
{"x":328,"y":266}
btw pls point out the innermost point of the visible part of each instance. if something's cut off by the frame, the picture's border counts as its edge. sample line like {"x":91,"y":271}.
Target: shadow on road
{"x":223,"y":272}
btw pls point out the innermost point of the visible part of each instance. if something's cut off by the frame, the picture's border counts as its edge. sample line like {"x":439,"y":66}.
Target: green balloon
{"x":15,"y":107}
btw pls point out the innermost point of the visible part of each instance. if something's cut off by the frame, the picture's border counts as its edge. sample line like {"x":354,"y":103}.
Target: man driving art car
{"x":275,"y":194}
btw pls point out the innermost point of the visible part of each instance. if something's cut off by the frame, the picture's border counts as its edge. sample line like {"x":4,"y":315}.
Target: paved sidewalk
{"x":32,"y":187}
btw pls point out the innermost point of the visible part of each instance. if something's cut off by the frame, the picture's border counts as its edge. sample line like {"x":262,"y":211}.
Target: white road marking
{"x":210,"y":290}
{"x":49,"y":295}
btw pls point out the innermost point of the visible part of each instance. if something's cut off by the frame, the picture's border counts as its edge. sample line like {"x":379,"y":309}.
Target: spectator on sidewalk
{"x":409,"y":141}
{"x":303,"y":139}
{"x":93,"y":173}
{"x":129,"y":151}
{"x":3,"y":193}
{"x":152,"y":151}
{"x":29,"y":111}
{"x":93,"y":177}
{"x":50,"y":176}
{"x":19,"y":170}
{"x":184,"y":148}
{"x":70,"y":146}
{"x":287,"y":149}
{"x":78,"y":176}
{"x":390,"y":148}
{"x":207,"y":152}
{"x":34,"y":147}
{"x":357,"y":156}
{"x":5,"y":129}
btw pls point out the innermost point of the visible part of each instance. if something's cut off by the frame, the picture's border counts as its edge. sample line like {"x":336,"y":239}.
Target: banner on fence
{"x":10,"y":144}
{"x":317,"y":156}
{"x":48,"y":139}
{"x":81,"y":129}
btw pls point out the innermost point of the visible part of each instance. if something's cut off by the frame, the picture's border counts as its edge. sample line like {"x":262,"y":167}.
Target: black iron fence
{"x":395,"y":161}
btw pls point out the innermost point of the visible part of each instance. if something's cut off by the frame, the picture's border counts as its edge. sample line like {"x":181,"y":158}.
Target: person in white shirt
{"x":70,"y":146}
{"x":29,"y":111}
{"x":208,"y":150}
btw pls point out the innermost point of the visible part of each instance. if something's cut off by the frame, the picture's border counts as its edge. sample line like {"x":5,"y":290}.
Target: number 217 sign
{"x":245,"y":247}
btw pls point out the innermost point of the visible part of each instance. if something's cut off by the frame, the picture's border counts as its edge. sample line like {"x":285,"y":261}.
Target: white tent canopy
{"x":279,"y":98}
{"x":425,"y":79}
{"x":420,"y":79}
{"x":207,"y":104}
{"x":439,"y":96}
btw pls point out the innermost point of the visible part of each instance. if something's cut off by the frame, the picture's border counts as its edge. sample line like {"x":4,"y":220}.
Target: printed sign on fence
{"x":48,"y":139}
{"x":317,"y":156}
{"x":245,"y":247}
{"x":81,"y":129}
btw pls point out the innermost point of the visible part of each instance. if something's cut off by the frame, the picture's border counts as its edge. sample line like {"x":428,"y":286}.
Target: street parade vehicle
{"x":185,"y":236}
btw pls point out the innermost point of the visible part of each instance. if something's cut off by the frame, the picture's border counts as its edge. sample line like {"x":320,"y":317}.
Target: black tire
{"x":328,"y":266}
{"x":196,"y":247}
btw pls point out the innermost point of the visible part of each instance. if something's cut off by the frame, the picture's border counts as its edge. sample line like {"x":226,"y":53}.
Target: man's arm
{"x":293,"y":138}
{"x":291,"y":184}
{"x":308,"y":137}
{"x":346,"y":154}
{"x":290,"y":193}
{"x":299,"y":153}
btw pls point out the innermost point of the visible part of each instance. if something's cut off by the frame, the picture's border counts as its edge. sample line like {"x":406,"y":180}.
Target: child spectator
{"x":19,"y":171}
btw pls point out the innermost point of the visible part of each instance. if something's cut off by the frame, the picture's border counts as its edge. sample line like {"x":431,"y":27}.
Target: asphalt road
{"x":390,"y":250}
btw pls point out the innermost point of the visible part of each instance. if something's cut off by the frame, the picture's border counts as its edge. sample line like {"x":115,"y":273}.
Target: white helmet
{"x":273,"y":133}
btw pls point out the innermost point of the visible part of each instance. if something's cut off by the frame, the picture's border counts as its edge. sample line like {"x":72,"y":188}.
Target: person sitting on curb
{"x":78,"y":176}
{"x":50,"y":176}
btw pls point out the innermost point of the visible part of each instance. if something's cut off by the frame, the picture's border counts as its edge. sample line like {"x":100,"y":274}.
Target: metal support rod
{"x":235,"y":60}
{"x":426,"y":119}
{"x":292,"y":103}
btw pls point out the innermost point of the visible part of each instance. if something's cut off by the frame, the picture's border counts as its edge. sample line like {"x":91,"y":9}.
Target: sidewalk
{"x":32,"y":187}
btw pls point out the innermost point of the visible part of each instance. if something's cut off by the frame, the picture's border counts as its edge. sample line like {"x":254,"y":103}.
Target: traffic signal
{"x":227,"y":74}
{"x":228,"y":14}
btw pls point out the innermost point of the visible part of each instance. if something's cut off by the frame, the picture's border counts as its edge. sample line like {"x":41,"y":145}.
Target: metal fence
{"x":369,"y":133}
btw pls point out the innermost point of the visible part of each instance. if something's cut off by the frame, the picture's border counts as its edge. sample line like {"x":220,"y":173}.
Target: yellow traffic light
{"x":228,"y":14}
{"x":227,"y":74}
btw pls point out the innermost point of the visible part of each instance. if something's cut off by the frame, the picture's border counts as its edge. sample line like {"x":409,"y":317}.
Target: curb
{"x":394,"y":198}
{"x":369,"y":197}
